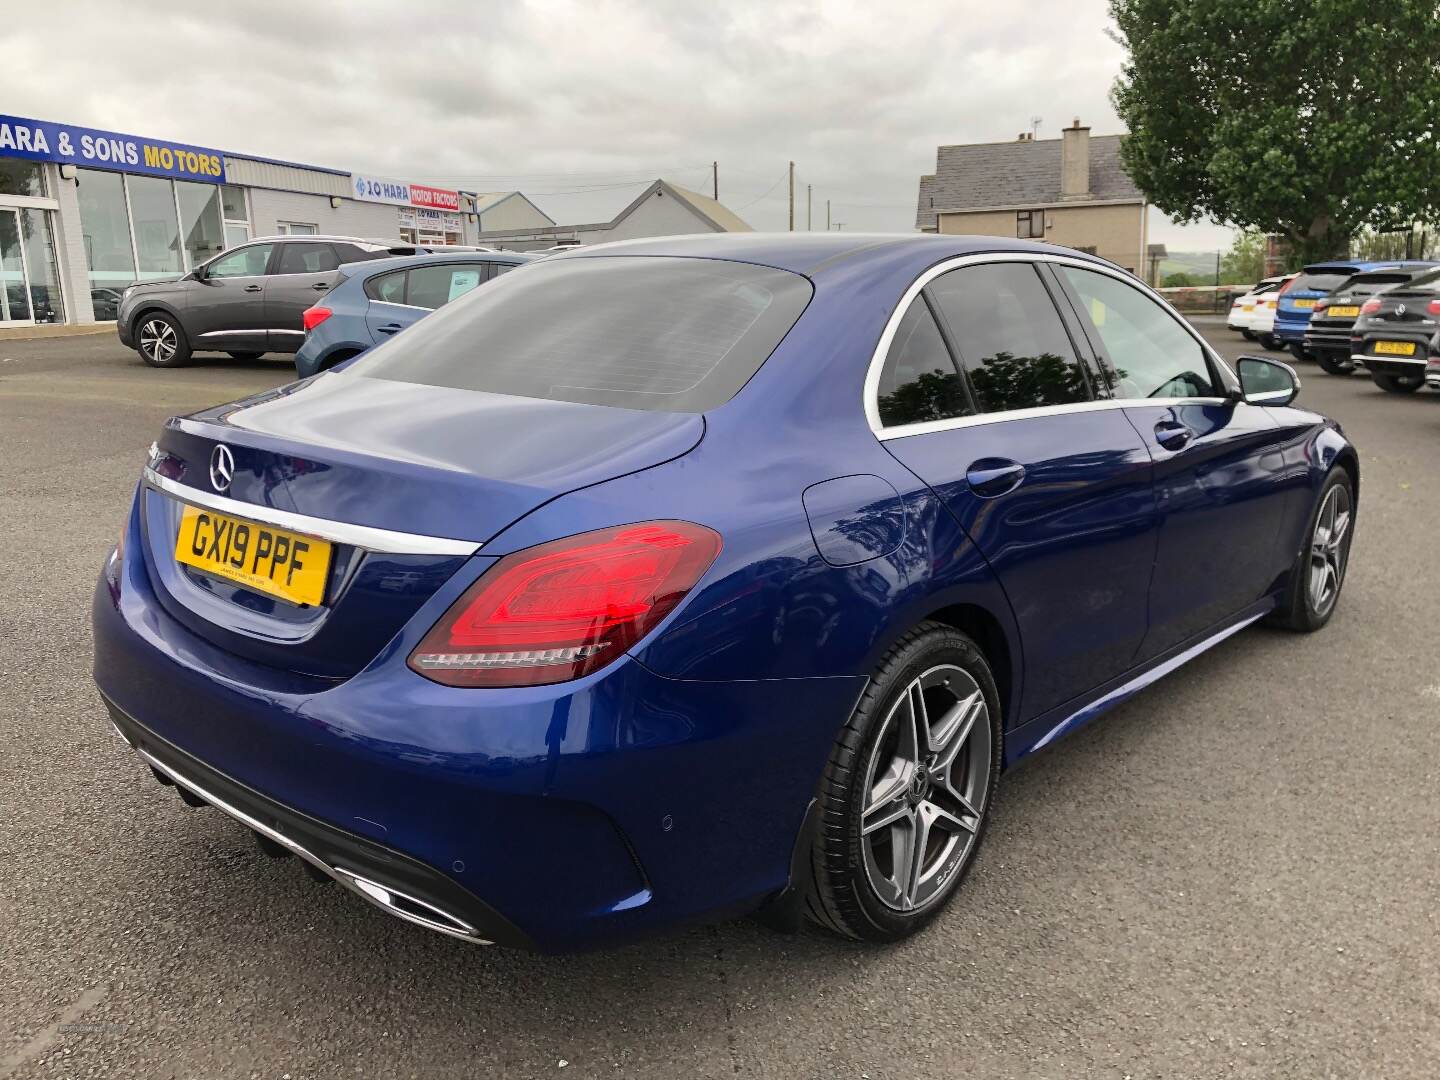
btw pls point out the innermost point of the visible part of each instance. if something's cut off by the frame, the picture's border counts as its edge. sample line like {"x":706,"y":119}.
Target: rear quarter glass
{"x":657,"y":333}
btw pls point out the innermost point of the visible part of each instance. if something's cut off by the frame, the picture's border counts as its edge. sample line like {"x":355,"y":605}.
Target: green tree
{"x":1244,"y":263}
{"x":1177,"y":280}
{"x":1309,"y":120}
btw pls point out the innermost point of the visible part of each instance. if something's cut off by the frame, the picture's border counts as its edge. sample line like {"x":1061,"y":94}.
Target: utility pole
{"x":792,"y":196}
{"x":808,"y":226}
{"x":715,"y":180}
{"x":827,"y":215}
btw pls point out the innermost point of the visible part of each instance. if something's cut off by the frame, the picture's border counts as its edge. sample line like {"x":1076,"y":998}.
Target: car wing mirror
{"x":1266,"y":382}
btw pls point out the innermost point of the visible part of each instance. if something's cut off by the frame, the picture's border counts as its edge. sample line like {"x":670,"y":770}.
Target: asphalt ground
{"x":1235,"y":874}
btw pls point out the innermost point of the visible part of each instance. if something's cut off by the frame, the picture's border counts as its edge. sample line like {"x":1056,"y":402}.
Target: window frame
{"x":869,"y":392}
{"x":1029,"y":216}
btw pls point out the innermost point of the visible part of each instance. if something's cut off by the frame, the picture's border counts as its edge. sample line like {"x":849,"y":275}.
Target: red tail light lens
{"x":1370,"y":307}
{"x":1321,"y":305}
{"x":1433,"y":307}
{"x":564,"y":609}
{"x":313,"y":317}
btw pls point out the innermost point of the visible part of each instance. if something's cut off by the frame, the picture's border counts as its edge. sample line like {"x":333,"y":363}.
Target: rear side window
{"x":1150,"y":355}
{"x":661,"y":333}
{"x":1010,"y":338}
{"x":307,"y":259}
{"x":435,"y":286}
{"x":1365,"y":284}
{"x":388,"y":288}
{"x":919,"y":381}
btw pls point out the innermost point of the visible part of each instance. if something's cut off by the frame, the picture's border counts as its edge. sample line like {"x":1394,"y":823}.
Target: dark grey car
{"x":246,"y":301}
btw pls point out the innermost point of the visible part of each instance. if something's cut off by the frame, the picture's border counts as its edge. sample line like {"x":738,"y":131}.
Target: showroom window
{"x":22,"y":178}
{"x":39,"y":243}
{"x":105,"y":230}
{"x":237,"y":217}
{"x":200,"y":227}
{"x":295,"y":228}
{"x":144,"y":228}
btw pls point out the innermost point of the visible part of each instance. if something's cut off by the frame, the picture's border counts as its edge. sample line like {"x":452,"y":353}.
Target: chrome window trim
{"x":882,"y":349}
{"x":228,"y":333}
{"x":407,"y":307}
{"x":362,"y":536}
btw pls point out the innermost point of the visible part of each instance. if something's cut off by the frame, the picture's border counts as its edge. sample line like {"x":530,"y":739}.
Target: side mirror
{"x":1266,"y":382}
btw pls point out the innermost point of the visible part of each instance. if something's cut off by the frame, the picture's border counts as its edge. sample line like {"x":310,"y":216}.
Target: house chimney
{"x":1075,"y":161}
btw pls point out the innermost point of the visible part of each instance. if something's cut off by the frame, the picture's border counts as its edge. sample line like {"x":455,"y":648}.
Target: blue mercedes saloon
{"x":672,"y":580}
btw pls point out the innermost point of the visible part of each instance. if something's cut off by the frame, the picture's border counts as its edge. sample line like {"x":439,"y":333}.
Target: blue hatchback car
{"x":374,"y":301}
{"x":1296,"y":301}
{"x":675,"y":579}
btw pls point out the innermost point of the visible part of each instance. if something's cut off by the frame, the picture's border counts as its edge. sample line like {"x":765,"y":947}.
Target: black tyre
{"x":1319,"y":570}
{"x":160,"y":341}
{"x":1299,"y":352}
{"x":1397,"y":384}
{"x":1248,"y":335}
{"x":245,"y":355}
{"x":1269,"y":342}
{"x":907,"y":792}
{"x":1333,"y":363}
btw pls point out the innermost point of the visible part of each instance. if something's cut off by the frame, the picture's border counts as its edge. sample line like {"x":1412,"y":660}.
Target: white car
{"x":1262,"y":318}
{"x":1244,"y":309}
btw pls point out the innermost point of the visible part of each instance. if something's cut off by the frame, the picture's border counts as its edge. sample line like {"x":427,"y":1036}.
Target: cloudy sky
{"x":579,"y":104}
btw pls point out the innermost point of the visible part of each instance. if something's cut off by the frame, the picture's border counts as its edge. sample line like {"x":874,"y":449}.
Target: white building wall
{"x":70,"y":248}
{"x":513,"y":213}
{"x":350,"y":218}
{"x":659,"y":215}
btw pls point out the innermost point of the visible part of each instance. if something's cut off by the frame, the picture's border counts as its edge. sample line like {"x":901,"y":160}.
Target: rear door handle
{"x":1172,"y":435}
{"x":254,"y":288}
{"x":991,"y":477}
{"x":390,"y":328}
{"x":320,"y":286}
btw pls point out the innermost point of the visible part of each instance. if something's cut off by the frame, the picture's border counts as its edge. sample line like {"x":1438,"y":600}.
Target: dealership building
{"x":84,"y":213}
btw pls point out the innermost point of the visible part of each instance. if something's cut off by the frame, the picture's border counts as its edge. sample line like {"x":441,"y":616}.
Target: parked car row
{"x":267,"y":295}
{"x":1384,"y":316}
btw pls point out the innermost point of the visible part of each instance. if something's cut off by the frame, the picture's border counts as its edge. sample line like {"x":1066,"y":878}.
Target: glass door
{"x":14,"y":282}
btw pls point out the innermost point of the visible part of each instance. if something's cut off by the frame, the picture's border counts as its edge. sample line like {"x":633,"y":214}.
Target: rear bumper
{"x":1291,"y":330}
{"x":556,"y":818}
{"x":1328,"y":339}
{"x":378,"y":874}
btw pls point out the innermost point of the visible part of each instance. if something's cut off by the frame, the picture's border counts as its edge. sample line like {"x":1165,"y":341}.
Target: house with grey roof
{"x":662,"y":209}
{"x":1071,"y":191}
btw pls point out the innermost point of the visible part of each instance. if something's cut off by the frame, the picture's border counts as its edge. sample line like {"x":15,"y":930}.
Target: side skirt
{"x":1049,"y":727}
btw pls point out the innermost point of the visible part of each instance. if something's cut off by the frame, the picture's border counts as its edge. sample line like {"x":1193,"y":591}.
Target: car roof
{"x":1357,"y":266}
{"x":370,"y":267}
{"x":813,"y":254}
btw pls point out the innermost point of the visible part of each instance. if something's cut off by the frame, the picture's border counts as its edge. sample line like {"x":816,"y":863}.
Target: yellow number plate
{"x":289,"y":565}
{"x":1304,"y":305}
{"x":1395,"y":348}
{"x":1247,"y":307}
{"x":1343,"y":311}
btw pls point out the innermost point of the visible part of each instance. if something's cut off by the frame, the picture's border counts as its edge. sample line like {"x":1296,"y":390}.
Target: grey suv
{"x":246,"y":301}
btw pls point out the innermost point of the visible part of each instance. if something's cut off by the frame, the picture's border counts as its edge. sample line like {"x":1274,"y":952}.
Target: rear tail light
{"x":1321,"y":305}
{"x":564,"y":609}
{"x":313,"y":317}
{"x":1433,"y":307}
{"x":1370,"y":307}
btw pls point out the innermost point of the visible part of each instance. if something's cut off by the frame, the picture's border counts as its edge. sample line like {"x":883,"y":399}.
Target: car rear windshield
{"x":640,"y":332}
{"x":1318,"y":280}
{"x":1365,"y":284}
{"x":1427,"y":283}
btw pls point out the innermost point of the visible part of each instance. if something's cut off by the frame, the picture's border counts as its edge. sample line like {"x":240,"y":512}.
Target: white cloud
{"x":563,"y":97}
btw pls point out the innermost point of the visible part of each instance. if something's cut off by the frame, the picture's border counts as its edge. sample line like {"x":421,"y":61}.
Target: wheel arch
{"x":982,"y":627}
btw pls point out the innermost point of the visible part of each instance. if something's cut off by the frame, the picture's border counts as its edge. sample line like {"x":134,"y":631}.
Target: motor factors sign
{"x":400,"y":193}
{"x":40,"y":140}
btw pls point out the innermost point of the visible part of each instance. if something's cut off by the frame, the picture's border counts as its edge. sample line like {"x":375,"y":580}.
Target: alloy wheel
{"x":1329,"y":549}
{"x":926,"y":787}
{"x":158,"y":341}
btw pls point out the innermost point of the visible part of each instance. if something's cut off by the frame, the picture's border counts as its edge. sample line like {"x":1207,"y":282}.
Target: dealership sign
{"x":399,"y":193}
{"x":39,"y":140}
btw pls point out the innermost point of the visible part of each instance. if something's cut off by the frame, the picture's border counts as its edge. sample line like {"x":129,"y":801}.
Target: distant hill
{"x":1200,"y":265}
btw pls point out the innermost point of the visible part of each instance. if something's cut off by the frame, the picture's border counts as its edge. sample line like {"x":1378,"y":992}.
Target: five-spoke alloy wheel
{"x":905,"y":798}
{"x":1329,"y":549}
